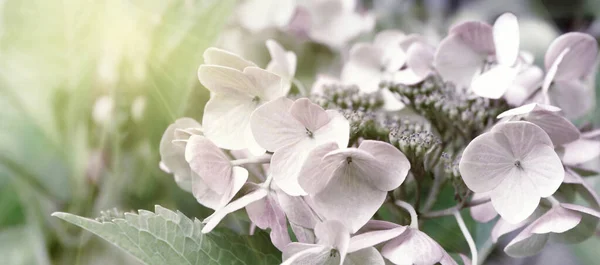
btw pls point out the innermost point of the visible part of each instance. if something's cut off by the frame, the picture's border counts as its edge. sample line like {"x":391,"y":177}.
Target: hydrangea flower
{"x":569,"y":62}
{"x":172,"y":151}
{"x":291,"y":129}
{"x":473,"y":46}
{"x":333,"y":177}
{"x":517,"y":163}
{"x":237,"y":89}
{"x":333,"y":240}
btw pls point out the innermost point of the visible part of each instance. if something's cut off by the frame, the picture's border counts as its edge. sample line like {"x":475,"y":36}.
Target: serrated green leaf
{"x":167,"y":237}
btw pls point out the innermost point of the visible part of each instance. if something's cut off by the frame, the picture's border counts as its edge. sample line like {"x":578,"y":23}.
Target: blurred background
{"x":88,"y":87}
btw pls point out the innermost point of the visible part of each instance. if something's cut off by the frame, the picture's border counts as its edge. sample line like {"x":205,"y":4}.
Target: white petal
{"x":584,"y":230}
{"x":370,"y":239}
{"x":303,"y":235}
{"x":456,"y":62}
{"x":543,"y":168}
{"x":322,"y":81}
{"x":173,"y":155}
{"x":309,"y":114}
{"x":390,"y":168}
{"x":375,"y":225}
{"x":224,"y":80}
{"x":495,"y":82}
{"x":274,"y":127}
{"x":579,"y":61}
{"x":282,"y":62}
{"x":525,"y":84}
{"x":390,"y":42}
{"x":413,"y":247}
{"x":420,"y":59}
{"x":267,"y":213}
{"x":297,"y":210}
{"x":522,"y":136}
{"x":333,"y":233}
{"x":526,"y":244}
{"x":407,"y":77}
{"x":526,"y":109}
{"x":286,"y":165}
{"x":516,"y":197}
{"x":338,"y":200}
{"x":266,"y":86}
{"x":477,"y":35}
{"x":316,"y":173}
{"x":506,"y":39}
{"x":204,"y":195}
{"x":486,"y":161}
{"x":365,"y":256}
{"x":258,"y":15}
{"x":364,"y":67}
{"x":336,"y":130}
{"x":390,"y":101}
{"x":225,"y":58}
{"x":553,"y":70}
{"x":502,"y":227}
{"x":213,"y":220}
{"x":226,"y":120}
{"x":484,"y":212}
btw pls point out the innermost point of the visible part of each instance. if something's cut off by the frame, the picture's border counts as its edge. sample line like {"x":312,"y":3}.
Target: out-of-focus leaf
{"x":166,"y":237}
{"x":22,"y":246}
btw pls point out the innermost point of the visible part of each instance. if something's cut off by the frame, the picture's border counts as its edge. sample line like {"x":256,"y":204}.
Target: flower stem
{"x":467,"y":235}
{"x":553,"y":201}
{"x":451,"y":210}
{"x":414,"y":222}
{"x":300,"y":87}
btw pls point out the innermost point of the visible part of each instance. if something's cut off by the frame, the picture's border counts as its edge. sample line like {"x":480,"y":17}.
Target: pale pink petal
{"x":585,"y":189}
{"x":364,"y":256}
{"x":209,"y":162}
{"x":478,"y":35}
{"x":494,"y":82}
{"x":303,"y":235}
{"x":419,"y":58}
{"x":456,"y":62}
{"x":336,"y":130}
{"x":173,"y":155}
{"x":578,"y":62}
{"x":506,"y":39}
{"x":286,"y":165}
{"x":213,"y":220}
{"x":580,"y":151}
{"x":543,"y":168}
{"x":216,"y":56}
{"x":300,"y":254}
{"x":274,"y":127}
{"x":557,"y":220}
{"x":573,"y":97}
{"x":390,"y":168}
{"x":338,"y":200}
{"x":267,"y":213}
{"x":226,"y":120}
{"x":364,"y":67}
{"x":559,"y":129}
{"x":484,"y":212}
{"x":584,"y":230}
{"x":486,"y":161}
{"x":376,"y":225}
{"x":413,"y":247}
{"x":516,"y":197}
{"x":407,"y":77}
{"x":316,"y":172}
{"x":581,"y":209}
{"x":390,"y":101}
{"x":204,"y":195}
{"x":333,"y":233}
{"x":370,"y":239}
{"x":522,"y":136}
{"x":552,"y":71}
{"x":526,"y":109}
{"x":297,"y":210}
{"x":309,"y":114}
{"x":393,"y":56}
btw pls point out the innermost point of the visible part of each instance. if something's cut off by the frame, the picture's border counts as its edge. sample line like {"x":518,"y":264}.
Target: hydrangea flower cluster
{"x":484,"y":118}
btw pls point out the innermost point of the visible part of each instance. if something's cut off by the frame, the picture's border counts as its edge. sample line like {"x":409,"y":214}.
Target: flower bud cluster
{"x":336,"y":96}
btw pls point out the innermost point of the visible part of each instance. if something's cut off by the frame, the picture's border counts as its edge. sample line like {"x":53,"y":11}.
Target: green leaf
{"x":166,"y":237}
